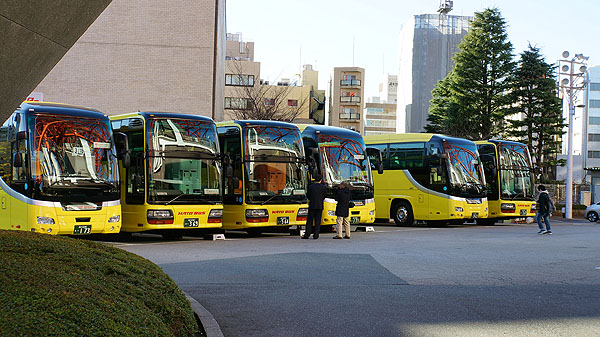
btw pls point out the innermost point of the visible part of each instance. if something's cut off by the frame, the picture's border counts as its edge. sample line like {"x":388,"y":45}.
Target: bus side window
{"x":135,"y":177}
{"x":383,"y":148}
{"x":229,"y":139}
{"x":438,"y":178}
{"x":5,"y":158}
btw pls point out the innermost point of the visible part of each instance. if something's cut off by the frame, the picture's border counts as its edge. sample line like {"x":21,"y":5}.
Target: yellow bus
{"x":59,"y":171}
{"x":509,"y":176}
{"x":339,"y":154}
{"x":265,"y":178}
{"x":427,"y":177}
{"x":172,"y":184}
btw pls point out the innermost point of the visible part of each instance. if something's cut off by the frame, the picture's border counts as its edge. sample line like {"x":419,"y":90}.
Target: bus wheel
{"x":402,"y":214}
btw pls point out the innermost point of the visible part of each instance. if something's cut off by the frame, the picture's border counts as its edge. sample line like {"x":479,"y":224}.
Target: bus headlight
{"x":215,"y":216}
{"x":159,"y":216}
{"x":331,"y":213}
{"x":257,"y":215}
{"x":507,"y":208}
{"x":44,"y":220}
{"x":533,"y":208}
{"x":114,"y":218}
{"x":458,"y":209}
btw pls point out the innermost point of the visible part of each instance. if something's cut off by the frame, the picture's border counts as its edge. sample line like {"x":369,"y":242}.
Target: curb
{"x":211,"y":327}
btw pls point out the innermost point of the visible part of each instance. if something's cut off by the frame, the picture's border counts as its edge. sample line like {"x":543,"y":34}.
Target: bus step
{"x":214,"y":237}
{"x":364,"y":229}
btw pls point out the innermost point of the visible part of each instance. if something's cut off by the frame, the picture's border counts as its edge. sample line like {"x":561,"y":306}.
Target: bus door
{"x":231,"y":148}
{"x":438,"y":181}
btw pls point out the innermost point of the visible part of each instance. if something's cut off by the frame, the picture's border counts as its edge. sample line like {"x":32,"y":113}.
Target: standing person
{"x":543,"y":210}
{"x":342,"y":210}
{"x":316,"y":194}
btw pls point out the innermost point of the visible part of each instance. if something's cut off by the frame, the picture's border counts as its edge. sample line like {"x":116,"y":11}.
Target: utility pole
{"x":571,"y":81}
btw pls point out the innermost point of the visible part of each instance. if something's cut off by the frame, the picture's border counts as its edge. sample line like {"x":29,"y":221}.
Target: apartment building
{"x":148,"y":55}
{"x":380,"y":111}
{"x":245,"y":90}
{"x":346,"y":98}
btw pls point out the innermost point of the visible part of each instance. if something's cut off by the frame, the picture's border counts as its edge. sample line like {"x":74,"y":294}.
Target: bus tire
{"x":402,"y":214}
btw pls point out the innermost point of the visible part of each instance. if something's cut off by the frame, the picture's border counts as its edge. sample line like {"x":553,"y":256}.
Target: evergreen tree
{"x":541,"y":124}
{"x":471,"y":101}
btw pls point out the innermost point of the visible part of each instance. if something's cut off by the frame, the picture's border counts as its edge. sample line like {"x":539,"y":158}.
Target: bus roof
{"x":149,"y":115}
{"x":499,"y":142}
{"x":60,"y":109}
{"x":412,"y":137}
{"x":329,"y":130}
{"x":258,"y":123}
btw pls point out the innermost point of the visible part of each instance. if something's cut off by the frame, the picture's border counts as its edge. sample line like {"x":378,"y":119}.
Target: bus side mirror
{"x":376,"y":153}
{"x":122,"y":145}
{"x":312,"y":166}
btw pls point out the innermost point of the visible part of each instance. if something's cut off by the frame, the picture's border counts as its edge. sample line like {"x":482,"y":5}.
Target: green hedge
{"x":60,"y":286}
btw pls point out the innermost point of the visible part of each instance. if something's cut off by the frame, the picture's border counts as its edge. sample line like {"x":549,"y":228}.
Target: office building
{"x":380,"y":111}
{"x":427,"y":44}
{"x":146,"y":55}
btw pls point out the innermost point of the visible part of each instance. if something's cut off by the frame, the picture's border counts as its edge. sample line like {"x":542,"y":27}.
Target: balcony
{"x":350,"y":99}
{"x":350,"y":83}
{"x":350,"y":116}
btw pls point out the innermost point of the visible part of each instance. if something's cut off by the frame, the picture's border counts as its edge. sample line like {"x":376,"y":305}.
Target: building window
{"x":381,"y":123}
{"x":594,"y":103}
{"x":593,"y":137}
{"x":269,"y":101}
{"x":349,"y":80}
{"x":380,"y":111}
{"x":593,"y":154}
{"x":292,"y":102}
{"x":239,"y":80}
{"x":237,"y":103}
{"x":595,"y":86}
{"x":595,"y":120}
{"x":349,"y":113}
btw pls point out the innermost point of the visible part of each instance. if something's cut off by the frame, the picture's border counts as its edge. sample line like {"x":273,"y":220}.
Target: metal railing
{"x":350,"y":99}
{"x":350,"y":83}
{"x":351,"y":116}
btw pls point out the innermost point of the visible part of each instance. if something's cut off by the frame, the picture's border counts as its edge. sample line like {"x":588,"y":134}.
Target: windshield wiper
{"x":269,"y":199}
{"x":176,"y":197}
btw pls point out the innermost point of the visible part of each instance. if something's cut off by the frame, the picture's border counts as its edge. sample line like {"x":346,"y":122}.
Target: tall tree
{"x":473,"y":100}
{"x":541,"y":122}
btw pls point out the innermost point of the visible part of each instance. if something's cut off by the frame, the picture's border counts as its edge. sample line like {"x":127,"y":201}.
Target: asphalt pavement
{"x":502,"y":280}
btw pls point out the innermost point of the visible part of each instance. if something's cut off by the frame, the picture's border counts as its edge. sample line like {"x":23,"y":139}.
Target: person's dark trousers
{"x":314,"y":216}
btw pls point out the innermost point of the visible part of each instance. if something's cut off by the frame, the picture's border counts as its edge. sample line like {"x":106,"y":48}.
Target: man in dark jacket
{"x":316,"y":194}
{"x":342,"y":210}
{"x":543,"y":210}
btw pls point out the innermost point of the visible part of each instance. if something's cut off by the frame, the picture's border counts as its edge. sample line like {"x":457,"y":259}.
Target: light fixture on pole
{"x":571,"y":82}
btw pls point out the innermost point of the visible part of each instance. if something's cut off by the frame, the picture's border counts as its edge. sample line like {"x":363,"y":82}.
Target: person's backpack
{"x":551,"y":207}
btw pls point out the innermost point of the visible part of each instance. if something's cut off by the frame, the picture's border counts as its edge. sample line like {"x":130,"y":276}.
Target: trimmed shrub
{"x":60,"y":286}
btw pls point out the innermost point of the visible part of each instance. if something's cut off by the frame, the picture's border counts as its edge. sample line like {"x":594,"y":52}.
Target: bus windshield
{"x":274,"y":161}
{"x":344,"y":159}
{"x":464,"y":167}
{"x":516,"y":178}
{"x":183,"y":161}
{"x":72,"y":152}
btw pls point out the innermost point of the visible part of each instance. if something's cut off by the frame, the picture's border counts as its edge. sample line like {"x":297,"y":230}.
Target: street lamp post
{"x":571,"y":81}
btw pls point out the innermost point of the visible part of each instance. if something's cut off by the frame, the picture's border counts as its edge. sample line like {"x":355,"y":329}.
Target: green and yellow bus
{"x":59,"y":171}
{"x":265,"y":178}
{"x":172,"y":184}
{"x":339,"y":154}
{"x":509,"y":176}
{"x":427,"y":177}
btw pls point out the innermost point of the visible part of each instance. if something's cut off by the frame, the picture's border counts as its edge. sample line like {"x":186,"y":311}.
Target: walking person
{"x":543,"y":210}
{"x":342,"y":210}
{"x":316,"y":194}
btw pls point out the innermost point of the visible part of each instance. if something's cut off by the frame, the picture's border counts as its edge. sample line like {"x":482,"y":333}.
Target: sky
{"x":364,"y":33}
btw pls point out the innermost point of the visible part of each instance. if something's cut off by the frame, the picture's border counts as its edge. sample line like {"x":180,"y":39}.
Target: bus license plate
{"x":355,"y":220}
{"x":283,"y":220}
{"x":474,"y":215}
{"x":191,"y":222}
{"x":523,"y":212}
{"x":82,"y":229}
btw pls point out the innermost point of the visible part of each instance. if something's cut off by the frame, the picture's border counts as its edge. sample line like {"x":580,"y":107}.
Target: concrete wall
{"x":148,"y":55}
{"x":34,"y":36}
